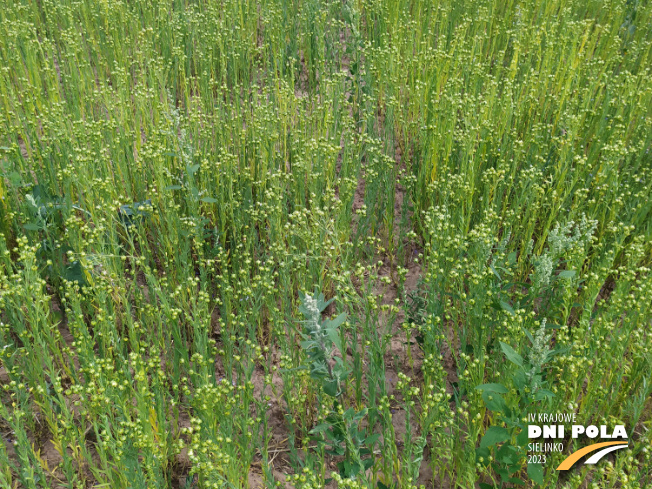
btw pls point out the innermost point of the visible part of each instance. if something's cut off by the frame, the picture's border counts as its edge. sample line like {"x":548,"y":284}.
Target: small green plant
{"x":130,"y":214}
{"x":47,"y":213}
{"x":529,"y":380}
{"x":341,"y":429}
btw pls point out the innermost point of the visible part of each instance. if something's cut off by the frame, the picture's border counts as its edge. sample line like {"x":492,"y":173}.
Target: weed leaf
{"x":493,"y":435}
{"x":501,"y":389}
{"x":511,"y":354}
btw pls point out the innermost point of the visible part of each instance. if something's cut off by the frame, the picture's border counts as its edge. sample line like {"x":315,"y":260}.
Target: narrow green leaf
{"x":511,"y":354}
{"x":553,"y":326}
{"x":501,"y":389}
{"x":493,"y":269}
{"x":507,"y":307}
{"x":337,"y":322}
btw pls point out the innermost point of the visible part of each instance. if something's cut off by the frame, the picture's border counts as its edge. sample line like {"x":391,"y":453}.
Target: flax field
{"x":323,"y":243}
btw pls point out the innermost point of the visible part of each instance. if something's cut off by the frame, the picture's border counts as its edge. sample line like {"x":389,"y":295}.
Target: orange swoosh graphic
{"x":574,"y":457}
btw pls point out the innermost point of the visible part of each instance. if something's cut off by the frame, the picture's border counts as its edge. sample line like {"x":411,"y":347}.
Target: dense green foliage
{"x":469,"y":180}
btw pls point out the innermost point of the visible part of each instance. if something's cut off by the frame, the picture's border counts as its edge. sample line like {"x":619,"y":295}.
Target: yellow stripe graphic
{"x":574,"y":457}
